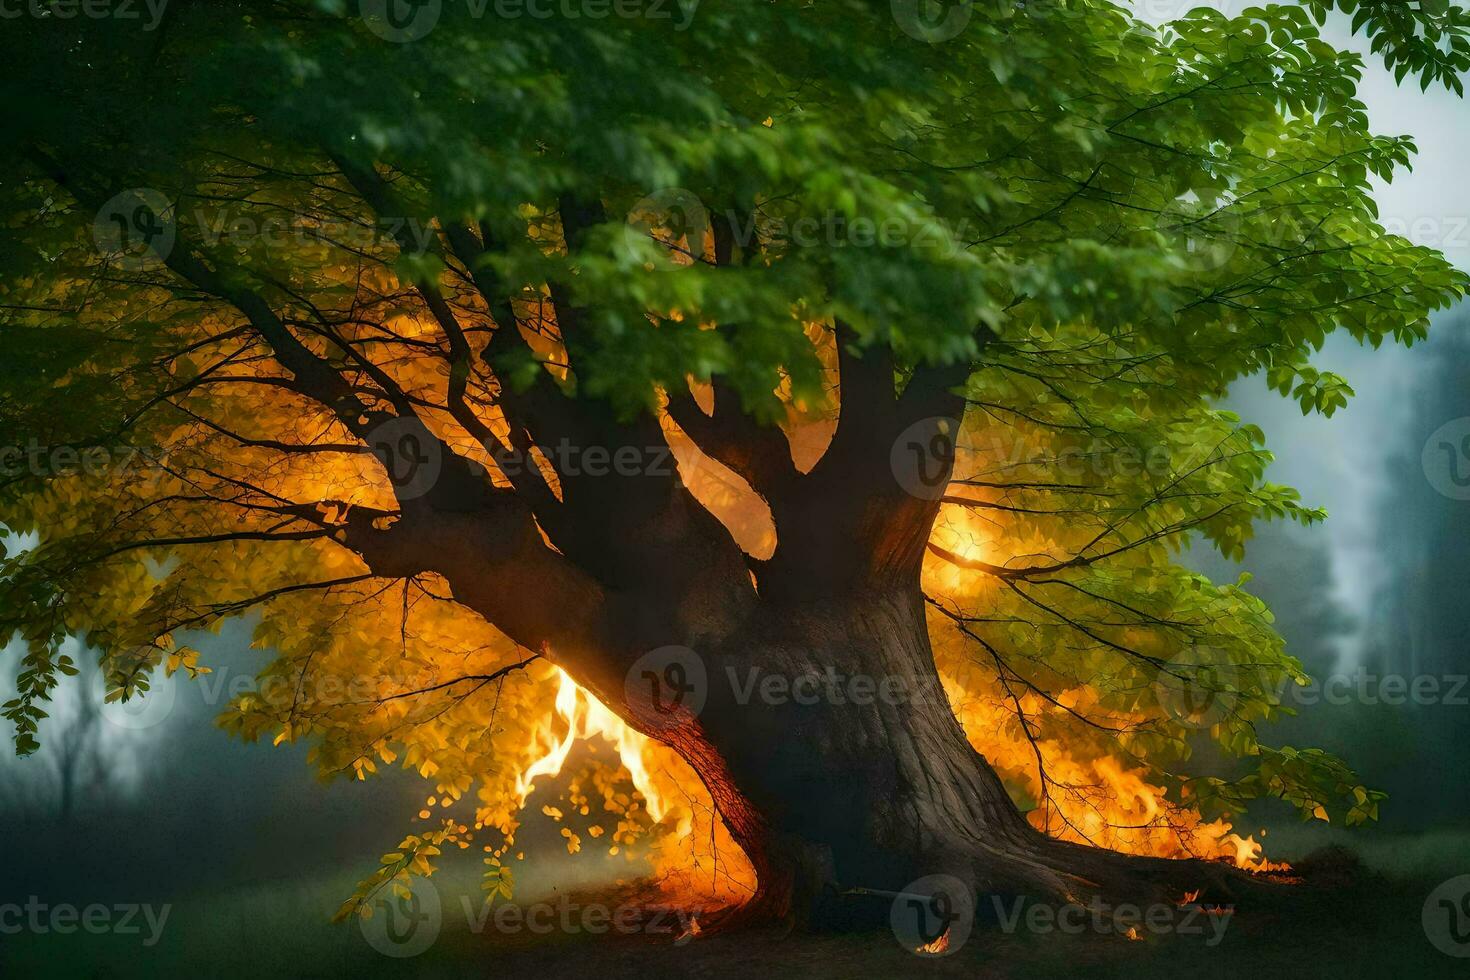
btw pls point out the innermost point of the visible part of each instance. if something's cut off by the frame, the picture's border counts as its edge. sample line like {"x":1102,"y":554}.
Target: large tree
{"x":383,"y":324}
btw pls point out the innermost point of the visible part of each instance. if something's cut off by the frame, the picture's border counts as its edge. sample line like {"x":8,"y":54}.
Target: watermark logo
{"x":93,"y":461}
{"x":676,"y":219}
{"x":923,"y":456}
{"x":406,"y":919}
{"x":1394,"y":690}
{"x":1201,"y":686}
{"x":241,"y":227}
{"x":1204,"y":236}
{"x":933,"y":916}
{"x":832,"y":686}
{"x":572,"y":918}
{"x":63,"y":919}
{"x":135,"y":228}
{"x":65,"y":10}
{"x":411,"y":457}
{"x":145,"y":709}
{"x":1446,"y":459}
{"x":932,"y":21}
{"x":1441,"y":231}
{"x":1446,"y":917}
{"x":667,"y":686}
{"x":569,"y":459}
{"x":1188,"y":919}
{"x":401,"y":21}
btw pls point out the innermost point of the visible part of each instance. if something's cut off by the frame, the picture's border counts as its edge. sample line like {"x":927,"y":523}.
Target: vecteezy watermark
{"x":39,"y":460}
{"x":680,"y":12}
{"x":1203,"y":236}
{"x":933,"y":916}
{"x":408,"y":917}
{"x":1446,"y":917}
{"x":150,"y":12}
{"x":1201,"y":686}
{"x":62,"y":919}
{"x":1441,"y":231}
{"x":1158,"y":11}
{"x":135,"y":228}
{"x":1446,"y":459}
{"x":835,"y":230}
{"x":567,"y":917}
{"x":277,"y":230}
{"x":932,"y":21}
{"x":568,"y":459}
{"x":414,"y":460}
{"x":666,"y":687}
{"x":145,"y":709}
{"x":676,"y":219}
{"x":1364,"y":687}
{"x":831,"y":686}
{"x":138,"y":228}
{"x":924,"y":456}
{"x":1123,"y":919}
{"x":410,"y":455}
{"x":402,"y":21}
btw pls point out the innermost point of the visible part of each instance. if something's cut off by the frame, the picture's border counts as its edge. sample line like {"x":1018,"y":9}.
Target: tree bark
{"x":840,"y":767}
{"x":834,"y":728}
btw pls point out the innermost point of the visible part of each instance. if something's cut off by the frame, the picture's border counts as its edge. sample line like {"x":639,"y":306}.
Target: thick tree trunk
{"x":840,"y":767}
{"x":834,"y":729}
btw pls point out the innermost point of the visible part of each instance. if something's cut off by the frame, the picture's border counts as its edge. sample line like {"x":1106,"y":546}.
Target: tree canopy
{"x":253,"y":256}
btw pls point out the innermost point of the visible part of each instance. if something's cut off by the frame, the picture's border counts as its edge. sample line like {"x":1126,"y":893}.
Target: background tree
{"x":387,"y":328}
{"x":1420,"y":629}
{"x":73,"y":769}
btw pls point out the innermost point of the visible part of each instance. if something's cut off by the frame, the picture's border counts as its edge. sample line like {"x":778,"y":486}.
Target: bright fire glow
{"x":585,"y":716}
{"x":690,"y":850}
{"x":695,"y":860}
{"x":1099,"y":800}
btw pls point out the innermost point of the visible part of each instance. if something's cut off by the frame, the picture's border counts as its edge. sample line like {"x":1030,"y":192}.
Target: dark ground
{"x":1369,"y":926}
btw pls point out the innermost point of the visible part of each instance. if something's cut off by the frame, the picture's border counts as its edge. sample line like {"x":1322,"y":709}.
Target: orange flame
{"x":691,"y":851}
{"x":1102,"y":802}
{"x":585,"y":716}
{"x":694,"y":858}
{"x":937,"y":947}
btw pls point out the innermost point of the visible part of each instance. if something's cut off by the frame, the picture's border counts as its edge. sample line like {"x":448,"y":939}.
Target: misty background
{"x":150,"y":802}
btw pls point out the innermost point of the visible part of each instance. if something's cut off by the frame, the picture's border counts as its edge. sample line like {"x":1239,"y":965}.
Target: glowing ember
{"x":937,"y":947}
{"x":1248,"y":855}
{"x":690,"y":933}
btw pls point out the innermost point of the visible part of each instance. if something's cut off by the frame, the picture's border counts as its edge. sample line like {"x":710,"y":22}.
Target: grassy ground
{"x":1365,"y":926}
